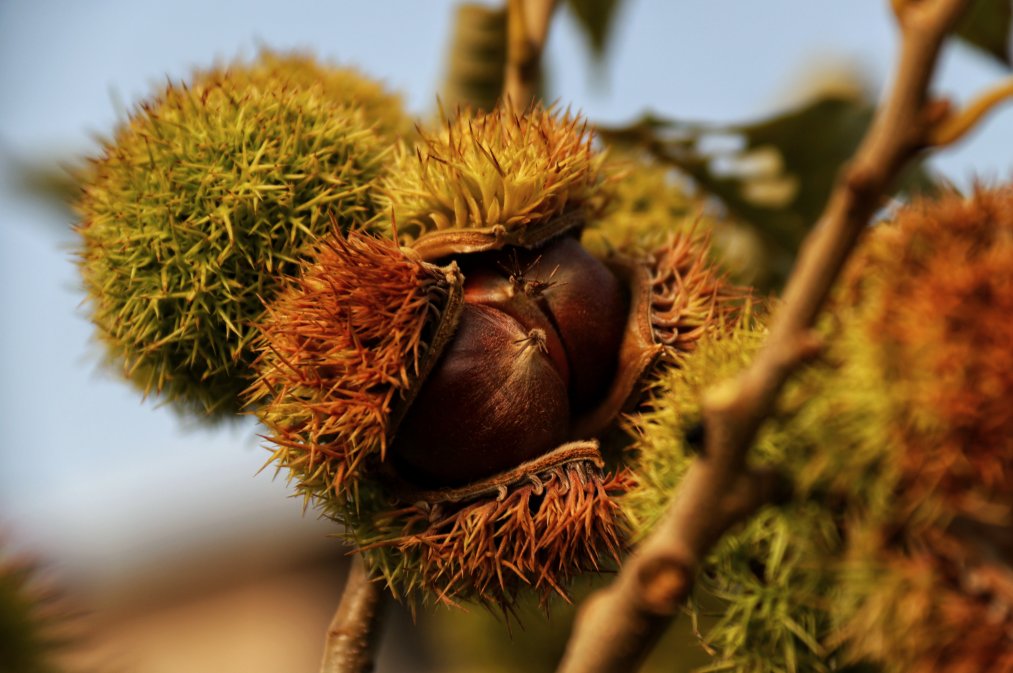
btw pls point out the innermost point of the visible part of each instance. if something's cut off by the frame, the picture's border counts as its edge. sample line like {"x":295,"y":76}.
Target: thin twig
{"x":527,"y":29}
{"x":956,"y":126}
{"x":618,"y":626}
{"x":354,"y":633}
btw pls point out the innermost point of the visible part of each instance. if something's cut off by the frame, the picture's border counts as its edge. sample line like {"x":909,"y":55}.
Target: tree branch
{"x":618,"y":626}
{"x":527,"y":29}
{"x":354,"y":633}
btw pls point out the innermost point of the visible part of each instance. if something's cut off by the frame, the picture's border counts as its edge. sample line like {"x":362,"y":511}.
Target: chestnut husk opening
{"x":524,"y":508}
{"x":638,"y":354}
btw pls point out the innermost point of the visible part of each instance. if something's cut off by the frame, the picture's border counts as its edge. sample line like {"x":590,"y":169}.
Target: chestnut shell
{"x":587,"y":305}
{"x":493,"y":401}
{"x":491,"y":288}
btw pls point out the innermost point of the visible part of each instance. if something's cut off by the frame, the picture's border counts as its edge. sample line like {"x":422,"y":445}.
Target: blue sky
{"x":91,"y":475}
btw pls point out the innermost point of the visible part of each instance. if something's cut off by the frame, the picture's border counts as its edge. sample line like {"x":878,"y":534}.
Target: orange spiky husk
{"x":937,"y":287}
{"x":342,"y":351}
{"x":534,"y":527}
{"x":928,"y":299}
{"x":689,"y":295}
{"x":936,"y":608}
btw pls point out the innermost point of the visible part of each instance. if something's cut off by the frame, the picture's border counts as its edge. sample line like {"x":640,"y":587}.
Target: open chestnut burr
{"x":445,"y":392}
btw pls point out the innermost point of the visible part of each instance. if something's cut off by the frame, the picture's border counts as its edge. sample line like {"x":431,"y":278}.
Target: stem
{"x":527,"y":29}
{"x":619,"y":625}
{"x":477,"y":62}
{"x":354,"y":633}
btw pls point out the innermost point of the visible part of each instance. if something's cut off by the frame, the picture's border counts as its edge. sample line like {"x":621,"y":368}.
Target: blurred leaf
{"x":49,"y":182}
{"x":987,"y":25}
{"x":596,"y":18}
{"x":53,"y":181}
{"x":775,"y":174}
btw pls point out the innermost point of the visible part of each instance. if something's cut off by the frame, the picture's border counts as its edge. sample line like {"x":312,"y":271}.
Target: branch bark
{"x":527,"y":29}
{"x":618,"y":626}
{"x":354,"y":633}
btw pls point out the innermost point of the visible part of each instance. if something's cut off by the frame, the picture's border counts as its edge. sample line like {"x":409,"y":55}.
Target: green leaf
{"x":596,"y":19}
{"x":775,"y":174}
{"x":987,"y":25}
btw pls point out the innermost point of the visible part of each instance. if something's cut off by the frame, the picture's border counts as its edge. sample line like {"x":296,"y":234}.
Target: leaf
{"x":597,"y":19}
{"x":776,"y":174}
{"x":50,"y":182}
{"x":987,"y":25}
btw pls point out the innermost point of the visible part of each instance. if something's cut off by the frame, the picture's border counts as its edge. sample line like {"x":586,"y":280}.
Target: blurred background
{"x":182,"y":554}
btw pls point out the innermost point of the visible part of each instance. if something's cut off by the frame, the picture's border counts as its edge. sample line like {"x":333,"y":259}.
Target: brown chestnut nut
{"x":494,"y":289}
{"x":493,"y":401}
{"x":587,"y":306}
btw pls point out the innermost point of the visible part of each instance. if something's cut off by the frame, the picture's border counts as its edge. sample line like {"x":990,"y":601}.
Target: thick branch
{"x":618,"y":626}
{"x":527,"y":29}
{"x":354,"y":633}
